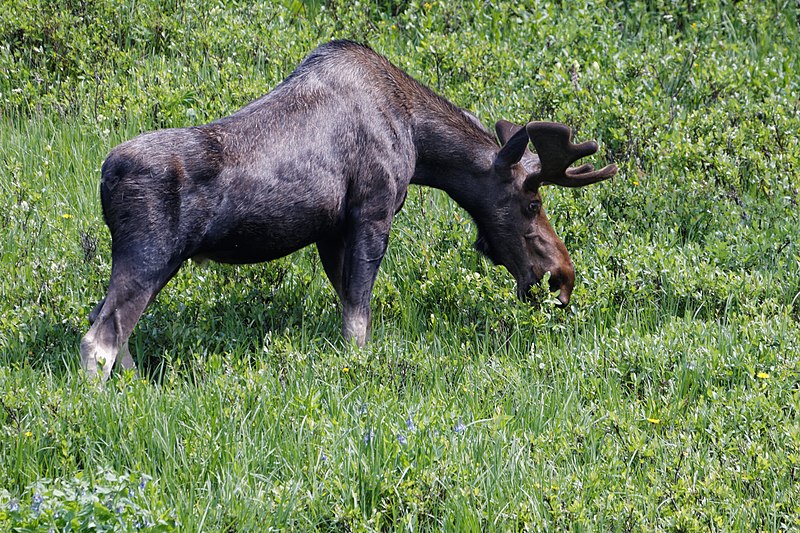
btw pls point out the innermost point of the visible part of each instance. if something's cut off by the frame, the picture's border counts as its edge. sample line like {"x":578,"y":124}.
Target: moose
{"x":326,"y":157}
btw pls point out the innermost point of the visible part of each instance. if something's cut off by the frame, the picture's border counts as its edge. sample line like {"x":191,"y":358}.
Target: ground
{"x":664,"y":398}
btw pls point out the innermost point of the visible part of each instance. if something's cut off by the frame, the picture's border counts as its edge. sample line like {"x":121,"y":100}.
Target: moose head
{"x":519,"y":235}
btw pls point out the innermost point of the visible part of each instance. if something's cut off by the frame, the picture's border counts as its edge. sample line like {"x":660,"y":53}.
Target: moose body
{"x":325,"y":158}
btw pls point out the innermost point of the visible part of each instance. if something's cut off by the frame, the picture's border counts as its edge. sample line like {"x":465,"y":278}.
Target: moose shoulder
{"x":325,"y":158}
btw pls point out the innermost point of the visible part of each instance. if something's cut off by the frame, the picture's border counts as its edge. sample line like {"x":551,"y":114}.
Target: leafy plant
{"x":108,"y":502}
{"x":664,"y":398}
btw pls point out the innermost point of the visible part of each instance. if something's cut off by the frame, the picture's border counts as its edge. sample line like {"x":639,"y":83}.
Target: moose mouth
{"x":524,"y":292}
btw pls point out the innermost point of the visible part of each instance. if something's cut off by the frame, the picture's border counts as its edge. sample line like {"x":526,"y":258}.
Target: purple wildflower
{"x":36,"y":503}
{"x":368,"y":436}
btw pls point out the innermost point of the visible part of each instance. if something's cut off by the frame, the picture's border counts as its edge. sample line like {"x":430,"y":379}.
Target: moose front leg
{"x":365,"y":246}
{"x":331,"y":253}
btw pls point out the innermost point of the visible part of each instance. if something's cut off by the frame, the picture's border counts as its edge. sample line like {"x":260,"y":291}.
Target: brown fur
{"x":325,"y":158}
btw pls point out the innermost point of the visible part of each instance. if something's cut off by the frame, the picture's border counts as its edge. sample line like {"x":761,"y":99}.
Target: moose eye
{"x":534,"y":207}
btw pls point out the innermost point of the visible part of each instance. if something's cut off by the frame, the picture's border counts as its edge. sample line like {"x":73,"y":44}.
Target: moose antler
{"x":557,"y":153}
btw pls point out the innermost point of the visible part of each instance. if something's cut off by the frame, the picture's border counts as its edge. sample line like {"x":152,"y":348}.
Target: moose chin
{"x":325,"y":158}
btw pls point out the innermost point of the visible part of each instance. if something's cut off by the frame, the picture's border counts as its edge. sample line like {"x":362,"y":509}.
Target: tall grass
{"x":665,"y":398}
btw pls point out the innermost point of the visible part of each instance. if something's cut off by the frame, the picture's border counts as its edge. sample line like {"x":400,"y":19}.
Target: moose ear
{"x":505,"y":130}
{"x":513,"y":147}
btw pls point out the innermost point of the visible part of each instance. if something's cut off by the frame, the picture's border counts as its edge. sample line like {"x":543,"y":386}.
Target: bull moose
{"x":326,"y":158}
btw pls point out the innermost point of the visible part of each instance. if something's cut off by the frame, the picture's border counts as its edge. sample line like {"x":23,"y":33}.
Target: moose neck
{"x":454,"y":153}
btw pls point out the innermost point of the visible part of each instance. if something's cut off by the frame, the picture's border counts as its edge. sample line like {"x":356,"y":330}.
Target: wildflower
{"x":346,"y":370}
{"x":575,"y":77}
{"x":13,"y":506}
{"x":28,"y":434}
{"x":654,"y":421}
{"x":762,"y":375}
{"x":36,"y":503}
{"x":427,"y":5}
{"x":66,"y":216}
{"x":410,"y":424}
{"x":143,"y":484}
{"x":401,"y":439}
{"x":460,"y":427}
{"x":368,"y":436}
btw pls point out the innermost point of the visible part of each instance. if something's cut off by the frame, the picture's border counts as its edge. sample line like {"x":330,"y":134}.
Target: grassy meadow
{"x":665,"y":398}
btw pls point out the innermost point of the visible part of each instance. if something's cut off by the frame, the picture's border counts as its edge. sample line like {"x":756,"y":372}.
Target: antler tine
{"x":579,"y":177}
{"x":557,"y":153}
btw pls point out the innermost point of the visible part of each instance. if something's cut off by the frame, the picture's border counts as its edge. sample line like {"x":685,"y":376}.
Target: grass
{"x":665,"y":398}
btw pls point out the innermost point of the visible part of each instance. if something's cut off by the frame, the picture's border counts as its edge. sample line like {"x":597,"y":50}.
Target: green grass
{"x":665,"y":398}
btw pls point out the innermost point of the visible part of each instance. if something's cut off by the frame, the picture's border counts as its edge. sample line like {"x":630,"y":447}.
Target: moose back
{"x":325,"y":158}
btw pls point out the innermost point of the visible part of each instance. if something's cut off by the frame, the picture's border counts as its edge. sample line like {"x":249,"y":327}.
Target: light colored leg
{"x":134,"y":283}
{"x":125,"y":360}
{"x":356,"y":326}
{"x":108,"y":337}
{"x":99,"y":350}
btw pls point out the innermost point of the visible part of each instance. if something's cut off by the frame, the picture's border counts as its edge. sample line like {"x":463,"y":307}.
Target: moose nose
{"x":563,"y":282}
{"x":563,"y":296}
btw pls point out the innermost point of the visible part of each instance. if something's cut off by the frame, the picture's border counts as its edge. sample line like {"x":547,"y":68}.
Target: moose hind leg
{"x":96,"y":311}
{"x":129,"y":293}
{"x":124,"y":359}
{"x":109,"y":333}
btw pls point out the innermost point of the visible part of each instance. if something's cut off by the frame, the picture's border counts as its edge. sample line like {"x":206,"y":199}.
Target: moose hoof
{"x":95,"y":361}
{"x":356,"y":330}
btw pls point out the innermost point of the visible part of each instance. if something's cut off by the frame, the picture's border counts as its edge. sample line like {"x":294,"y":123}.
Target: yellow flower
{"x":66,"y":216}
{"x":654,"y":421}
{"x":28,"y":434}
{"x":762,"y":375}
{"x":346,"y":370}
{"x":427,"y":5}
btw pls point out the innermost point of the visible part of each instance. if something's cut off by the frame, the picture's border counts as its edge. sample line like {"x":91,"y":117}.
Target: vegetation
{"x":665,"y":398}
